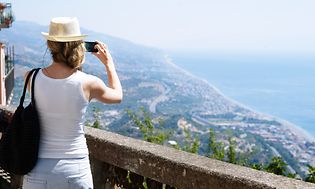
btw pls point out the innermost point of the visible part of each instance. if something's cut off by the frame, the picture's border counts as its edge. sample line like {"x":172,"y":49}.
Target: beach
{"x":298,"y":131}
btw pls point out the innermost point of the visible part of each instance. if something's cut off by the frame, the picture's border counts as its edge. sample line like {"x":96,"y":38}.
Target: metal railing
{"x":9,"y":72}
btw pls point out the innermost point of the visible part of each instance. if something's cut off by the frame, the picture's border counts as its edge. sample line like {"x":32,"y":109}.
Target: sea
{"x":279,"y":85}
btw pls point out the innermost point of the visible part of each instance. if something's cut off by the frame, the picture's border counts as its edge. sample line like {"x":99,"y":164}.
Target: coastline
{"x":299,"y":131}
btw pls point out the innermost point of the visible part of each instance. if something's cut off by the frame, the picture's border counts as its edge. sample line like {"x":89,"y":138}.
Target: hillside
{"x":151,"y":80}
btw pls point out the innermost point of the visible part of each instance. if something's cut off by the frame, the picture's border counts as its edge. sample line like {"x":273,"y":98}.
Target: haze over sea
{"x":278,"y":85}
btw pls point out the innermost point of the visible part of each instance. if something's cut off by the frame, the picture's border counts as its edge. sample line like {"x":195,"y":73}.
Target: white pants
{"x":68,"y":173}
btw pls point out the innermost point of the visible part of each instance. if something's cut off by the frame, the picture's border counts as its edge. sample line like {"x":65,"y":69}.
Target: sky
{"x":189,"y":25}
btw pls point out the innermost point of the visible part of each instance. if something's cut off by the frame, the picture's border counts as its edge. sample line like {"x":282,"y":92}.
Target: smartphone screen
{"x":90,"y":46}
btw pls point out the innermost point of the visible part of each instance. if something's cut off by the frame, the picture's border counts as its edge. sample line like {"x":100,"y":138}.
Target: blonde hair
{"x":70,"y":53}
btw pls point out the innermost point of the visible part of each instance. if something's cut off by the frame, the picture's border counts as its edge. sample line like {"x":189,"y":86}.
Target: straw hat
{"x":64,"y":29}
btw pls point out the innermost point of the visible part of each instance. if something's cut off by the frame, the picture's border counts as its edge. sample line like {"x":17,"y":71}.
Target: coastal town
{"x":203,"y":107}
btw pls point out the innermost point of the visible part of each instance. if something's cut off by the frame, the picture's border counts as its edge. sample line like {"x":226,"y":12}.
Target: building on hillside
{"x":6,"y":57}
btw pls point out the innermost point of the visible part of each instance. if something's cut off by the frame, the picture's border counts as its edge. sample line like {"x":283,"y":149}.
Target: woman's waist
{"x":61,"y":140}
{"x":62,"y":147}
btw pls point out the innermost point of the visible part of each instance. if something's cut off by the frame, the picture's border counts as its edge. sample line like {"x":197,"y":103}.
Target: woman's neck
{"x":58,"y":70}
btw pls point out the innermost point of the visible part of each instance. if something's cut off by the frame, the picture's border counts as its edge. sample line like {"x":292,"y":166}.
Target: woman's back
{"x":61,"y":104}
{"x":62,"y":94}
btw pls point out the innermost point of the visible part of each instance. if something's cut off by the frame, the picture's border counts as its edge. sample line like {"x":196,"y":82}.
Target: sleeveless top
{"x":61,"y":106}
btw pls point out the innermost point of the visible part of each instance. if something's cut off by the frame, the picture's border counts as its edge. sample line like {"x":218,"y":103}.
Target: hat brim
{"x":63,"y":38}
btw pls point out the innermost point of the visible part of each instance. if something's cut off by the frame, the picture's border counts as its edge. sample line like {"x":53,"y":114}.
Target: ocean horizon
{"x":278,"y":85}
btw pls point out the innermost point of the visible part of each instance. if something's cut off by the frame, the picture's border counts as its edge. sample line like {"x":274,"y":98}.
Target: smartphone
{"x":90,"y":46}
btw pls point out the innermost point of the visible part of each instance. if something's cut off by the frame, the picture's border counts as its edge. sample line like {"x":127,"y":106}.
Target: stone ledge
{"x":180,"y":169}
{"x":176,"y":168}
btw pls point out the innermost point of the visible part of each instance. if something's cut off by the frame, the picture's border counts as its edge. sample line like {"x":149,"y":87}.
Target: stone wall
{"x":118,"y":160}
{"x":177,"y":168}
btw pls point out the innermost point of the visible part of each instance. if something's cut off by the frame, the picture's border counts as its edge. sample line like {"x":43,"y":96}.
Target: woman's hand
{"x":103,"y":53}
{"x":98,"y":90}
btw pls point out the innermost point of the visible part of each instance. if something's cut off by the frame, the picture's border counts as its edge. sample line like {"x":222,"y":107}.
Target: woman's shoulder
{"x":25,"y":77}
{"x":87,"y":77}
{"x":27,"y":73}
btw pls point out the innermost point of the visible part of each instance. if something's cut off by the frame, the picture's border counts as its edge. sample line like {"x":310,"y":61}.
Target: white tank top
{"x":61,"y":105}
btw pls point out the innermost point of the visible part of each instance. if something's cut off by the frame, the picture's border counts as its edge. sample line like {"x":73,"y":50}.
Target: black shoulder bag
{"x":19,"y":144}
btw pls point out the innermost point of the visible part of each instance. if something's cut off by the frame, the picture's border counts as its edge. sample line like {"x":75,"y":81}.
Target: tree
{"x":151,"y":133}
{"x":154,"y":132}
{"x":291,"y":175}
{"x":195,"y":146}
{"x":257,"y":166}
{"x":96,"y":123}
{"x":231,"y":153}
{"x":277,"y":166}
{"x":191,"y":144}
{"x":216,"y":150}
{"x":311,"y":174}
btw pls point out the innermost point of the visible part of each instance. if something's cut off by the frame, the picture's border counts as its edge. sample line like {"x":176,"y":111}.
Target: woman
{"x":62,"y":94}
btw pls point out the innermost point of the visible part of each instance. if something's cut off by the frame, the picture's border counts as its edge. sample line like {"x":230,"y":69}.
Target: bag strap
{"x":33,"y":86}
{"x":26,"y":83}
